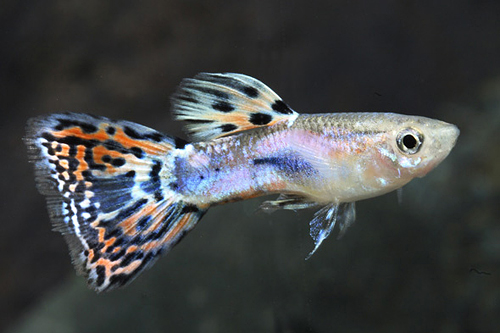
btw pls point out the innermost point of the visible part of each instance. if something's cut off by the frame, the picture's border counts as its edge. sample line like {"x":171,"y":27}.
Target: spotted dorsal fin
{"x":216,"y":105}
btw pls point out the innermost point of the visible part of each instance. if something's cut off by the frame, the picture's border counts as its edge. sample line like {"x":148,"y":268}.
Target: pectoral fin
{"x":288,"y":202}
{"x":325,"y":219}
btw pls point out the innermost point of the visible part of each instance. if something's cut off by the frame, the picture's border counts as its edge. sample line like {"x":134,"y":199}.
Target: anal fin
{"x":325,"y":219}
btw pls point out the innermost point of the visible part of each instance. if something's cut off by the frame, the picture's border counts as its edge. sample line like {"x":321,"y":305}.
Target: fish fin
{"x":399,"y":192}
{"x":221,"y":104}
{"x":288,"y":202}
{"x":106,"y":185}
{"x":325,"y":219}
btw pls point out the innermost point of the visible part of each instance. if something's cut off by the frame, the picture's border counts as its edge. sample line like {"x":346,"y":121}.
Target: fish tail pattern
{"x":107,"y":187}
{"x":221,"y":104}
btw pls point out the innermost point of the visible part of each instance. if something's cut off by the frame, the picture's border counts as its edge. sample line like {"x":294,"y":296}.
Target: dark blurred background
{"x":430,"y":264}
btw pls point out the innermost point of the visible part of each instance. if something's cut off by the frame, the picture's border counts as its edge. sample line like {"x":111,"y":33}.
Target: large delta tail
{"x":106,"y":184}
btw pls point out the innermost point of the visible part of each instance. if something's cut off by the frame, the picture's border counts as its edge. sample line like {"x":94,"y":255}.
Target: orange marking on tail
{"x":120,"y":136}
{"x":64,"y":164}
{"x":148,"y":146}
{"x":178,"y":227}
{"x":131,"y":248}
{"x":82,"y":165}
{"x":64,"y":149}
{"x":107,"y":244}
{"x":100,"y":135}
{"x":107,"y":264}
{"x":91,"y":255}
{"x":102,"y":231}
{"x":150,"y":245}
{"x":158,"y":219}
{"x":129,"y":268}
{"x":101,"y":151}
{"x":128,"y":224}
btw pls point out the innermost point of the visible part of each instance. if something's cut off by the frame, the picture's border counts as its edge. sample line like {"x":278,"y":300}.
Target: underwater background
{"x":429,"y":264}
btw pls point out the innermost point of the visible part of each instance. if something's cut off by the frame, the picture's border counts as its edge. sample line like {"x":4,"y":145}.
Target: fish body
{"x":122,"y":193}
{"x":325,"y":158}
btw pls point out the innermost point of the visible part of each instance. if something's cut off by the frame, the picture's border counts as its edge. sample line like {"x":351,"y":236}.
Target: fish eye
{"x":410,"y":140}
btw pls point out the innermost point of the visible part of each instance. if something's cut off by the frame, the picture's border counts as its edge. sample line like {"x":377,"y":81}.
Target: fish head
{"x":419,"y":144}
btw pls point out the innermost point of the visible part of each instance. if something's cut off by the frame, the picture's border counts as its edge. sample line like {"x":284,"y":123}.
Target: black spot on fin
{"x":210,"y":101}
{"x":107,"y":188}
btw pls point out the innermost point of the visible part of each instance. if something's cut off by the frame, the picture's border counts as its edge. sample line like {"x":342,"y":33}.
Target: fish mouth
{"x":445,"y":140}
{"x":453,"y":133}
{"x":449,"y":136}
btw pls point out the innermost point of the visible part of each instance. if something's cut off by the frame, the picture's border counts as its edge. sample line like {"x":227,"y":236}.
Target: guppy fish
{"x":122,"y":193}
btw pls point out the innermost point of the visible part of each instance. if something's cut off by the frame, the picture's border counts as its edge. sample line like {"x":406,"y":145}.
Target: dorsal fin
{"x":221,"y":104}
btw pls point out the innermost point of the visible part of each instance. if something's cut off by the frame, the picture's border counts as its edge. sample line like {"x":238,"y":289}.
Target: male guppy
{"x":122,"y":193}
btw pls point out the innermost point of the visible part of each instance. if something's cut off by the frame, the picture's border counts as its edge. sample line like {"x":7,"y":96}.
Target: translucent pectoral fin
{"x":288,"y":202}
{"x":325,"y":219}
{"x":400,"y":195}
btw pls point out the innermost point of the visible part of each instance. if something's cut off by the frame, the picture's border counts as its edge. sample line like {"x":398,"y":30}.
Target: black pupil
{"x":409,"y":141}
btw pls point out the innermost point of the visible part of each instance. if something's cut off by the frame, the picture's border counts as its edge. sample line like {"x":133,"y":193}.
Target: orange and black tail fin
{"x":106,"y":185}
